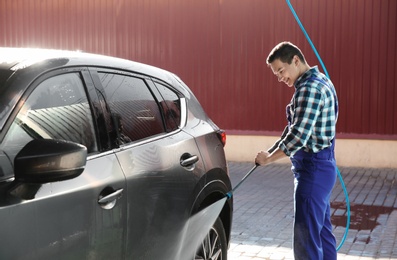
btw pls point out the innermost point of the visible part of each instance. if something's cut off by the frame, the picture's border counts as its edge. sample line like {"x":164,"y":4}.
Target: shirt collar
{"x":306,"y":75}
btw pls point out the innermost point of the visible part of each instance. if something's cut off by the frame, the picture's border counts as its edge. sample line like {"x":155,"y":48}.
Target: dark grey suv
{"x":104,"y":158}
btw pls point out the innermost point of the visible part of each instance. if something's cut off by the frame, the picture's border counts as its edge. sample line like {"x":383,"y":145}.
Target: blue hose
{"x":347,"y":208}
{"x":326,"y":73}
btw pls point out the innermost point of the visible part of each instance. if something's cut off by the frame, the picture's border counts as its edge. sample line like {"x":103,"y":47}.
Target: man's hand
{"x":262,"y":158}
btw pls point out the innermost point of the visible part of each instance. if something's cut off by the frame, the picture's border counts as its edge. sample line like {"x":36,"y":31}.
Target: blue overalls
{"x":315,"y":177}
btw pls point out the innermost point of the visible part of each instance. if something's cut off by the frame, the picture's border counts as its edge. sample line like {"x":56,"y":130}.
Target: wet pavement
{"x":263,"y":213}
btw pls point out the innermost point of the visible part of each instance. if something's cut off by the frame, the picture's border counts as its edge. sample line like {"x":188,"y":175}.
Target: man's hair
{"x":285,"y":51}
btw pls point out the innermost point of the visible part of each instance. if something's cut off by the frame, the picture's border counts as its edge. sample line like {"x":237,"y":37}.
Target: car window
{"x":134,"y":110}
{"x":171,"y":107}
{"x":56,"y":109}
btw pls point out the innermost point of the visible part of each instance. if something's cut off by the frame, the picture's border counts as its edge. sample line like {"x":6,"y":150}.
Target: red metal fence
{"x":218,"y":47}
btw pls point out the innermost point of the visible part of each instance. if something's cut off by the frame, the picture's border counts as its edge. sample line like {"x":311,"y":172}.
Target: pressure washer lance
{"x":275,"y":145}
{"x":230,"y":193}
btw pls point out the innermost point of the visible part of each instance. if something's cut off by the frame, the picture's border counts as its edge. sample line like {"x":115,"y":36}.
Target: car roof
{"x":14,"y":59}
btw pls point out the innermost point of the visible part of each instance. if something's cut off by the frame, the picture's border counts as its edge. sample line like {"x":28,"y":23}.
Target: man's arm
{"x":273,"y":153}
{"x":265,"y":158}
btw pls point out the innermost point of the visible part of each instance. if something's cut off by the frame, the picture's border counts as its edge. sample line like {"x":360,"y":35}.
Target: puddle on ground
{"x":362,"y":217}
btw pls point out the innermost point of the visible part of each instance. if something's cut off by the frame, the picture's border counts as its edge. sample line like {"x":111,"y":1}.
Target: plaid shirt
{"x":312,"y":114}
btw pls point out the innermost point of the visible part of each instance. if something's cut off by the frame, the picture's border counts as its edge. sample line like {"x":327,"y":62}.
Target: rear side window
{"x":171,"y":106}
{"x":134,"y":110}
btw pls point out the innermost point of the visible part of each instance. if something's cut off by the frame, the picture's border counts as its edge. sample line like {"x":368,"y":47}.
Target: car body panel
{"x":166,"y":187}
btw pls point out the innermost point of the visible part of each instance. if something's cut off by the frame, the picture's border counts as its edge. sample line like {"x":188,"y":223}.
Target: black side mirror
{"x":47,"y":160}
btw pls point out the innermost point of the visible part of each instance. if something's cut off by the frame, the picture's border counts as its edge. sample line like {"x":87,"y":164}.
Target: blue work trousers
{"x":315,"y":176}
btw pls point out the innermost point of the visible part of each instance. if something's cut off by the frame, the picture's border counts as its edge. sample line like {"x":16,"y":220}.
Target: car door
{"x":80,"y":218}
{"x":161,"y":163}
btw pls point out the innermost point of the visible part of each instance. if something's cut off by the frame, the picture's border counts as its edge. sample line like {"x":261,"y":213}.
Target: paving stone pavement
{"x":263,"y":213}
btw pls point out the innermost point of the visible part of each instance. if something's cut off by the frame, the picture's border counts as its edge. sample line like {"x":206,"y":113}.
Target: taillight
{"x":222,"y":137}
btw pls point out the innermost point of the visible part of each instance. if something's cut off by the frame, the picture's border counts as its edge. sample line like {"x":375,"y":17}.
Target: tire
{"x":214,"y":246}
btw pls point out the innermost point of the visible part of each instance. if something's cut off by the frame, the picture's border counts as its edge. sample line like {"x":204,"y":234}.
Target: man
{"x":308,"y":140}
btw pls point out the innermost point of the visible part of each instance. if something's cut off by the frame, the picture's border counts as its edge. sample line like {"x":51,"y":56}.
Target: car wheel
{"x":214,"y":246}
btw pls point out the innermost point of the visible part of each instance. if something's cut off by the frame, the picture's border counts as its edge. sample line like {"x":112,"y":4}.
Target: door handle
{"x":189,"y":161}
{"x":111,"y":197}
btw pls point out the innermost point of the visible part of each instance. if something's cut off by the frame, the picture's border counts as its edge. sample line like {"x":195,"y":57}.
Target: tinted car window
{"x":171,"y":107}
{"x":134,"y":110}
{"x":56,"y":109}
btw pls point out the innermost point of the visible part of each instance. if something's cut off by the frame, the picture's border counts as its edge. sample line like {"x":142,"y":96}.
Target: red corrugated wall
{"x":218,"y":47}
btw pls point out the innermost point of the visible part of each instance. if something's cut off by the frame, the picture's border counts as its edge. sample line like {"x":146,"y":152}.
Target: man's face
{"x":287,"y":73}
